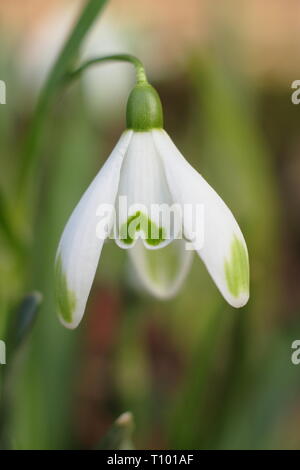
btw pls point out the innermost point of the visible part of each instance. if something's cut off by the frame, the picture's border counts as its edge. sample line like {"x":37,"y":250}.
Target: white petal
{"x":144,"y":199}
{"x":81,"y":244}
{"x":223,"y":248}
{"x":161,"y":272}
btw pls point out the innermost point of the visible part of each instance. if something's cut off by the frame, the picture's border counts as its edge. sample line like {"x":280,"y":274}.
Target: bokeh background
{"x":194,"y":372}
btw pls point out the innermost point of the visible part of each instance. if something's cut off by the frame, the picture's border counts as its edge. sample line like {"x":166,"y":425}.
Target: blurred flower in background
{"x":103,"y":87}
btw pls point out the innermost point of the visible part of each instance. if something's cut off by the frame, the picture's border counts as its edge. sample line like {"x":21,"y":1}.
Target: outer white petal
{"x":81,"y":242}
{"x":223,"y":248}
{"x":161,"y":272}
{"x":143,"y":190}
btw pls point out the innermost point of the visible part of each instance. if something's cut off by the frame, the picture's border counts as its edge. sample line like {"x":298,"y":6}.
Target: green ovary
{"x":65,"y":298}
{"x":139,"y":222}
{"x":237,"y":268}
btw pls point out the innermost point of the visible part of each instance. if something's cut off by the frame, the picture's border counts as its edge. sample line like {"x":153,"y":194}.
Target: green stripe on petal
{"x":237,"y":269}
{"x":139,"y":222}
{"x":65,"y":298}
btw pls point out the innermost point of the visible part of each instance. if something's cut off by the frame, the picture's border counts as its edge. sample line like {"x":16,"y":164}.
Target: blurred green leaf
{"x":25,"y":318}
{"x":63,"y":62}
{"x":19,"y":328}
{"x":254,"y":417}
{"x":192,"y":414}
{"x":51,"y":372}
{"x":7,"y":225}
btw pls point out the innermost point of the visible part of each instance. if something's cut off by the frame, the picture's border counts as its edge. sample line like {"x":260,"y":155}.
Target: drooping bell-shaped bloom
{"x":151,"y":201}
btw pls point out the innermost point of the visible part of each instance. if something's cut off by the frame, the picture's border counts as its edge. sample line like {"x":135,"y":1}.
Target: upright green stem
{"x":19,"y":328}
{"x":65,"y":58}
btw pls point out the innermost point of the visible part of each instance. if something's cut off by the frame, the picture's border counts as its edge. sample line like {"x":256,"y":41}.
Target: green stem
{"x":65,"y":58}
{"x":7,"y":225}
{"x":19,"y":329}
{"x":139,"y":68}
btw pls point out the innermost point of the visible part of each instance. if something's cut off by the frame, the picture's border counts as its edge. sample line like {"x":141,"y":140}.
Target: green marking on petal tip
{"x":139,"y":222}
{"x":65,"y":298}
{"x":237,"y":268}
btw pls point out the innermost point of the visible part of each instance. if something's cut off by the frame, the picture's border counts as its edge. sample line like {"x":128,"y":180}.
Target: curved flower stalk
{"x":102,"y":87}
{"x":150,"y":200}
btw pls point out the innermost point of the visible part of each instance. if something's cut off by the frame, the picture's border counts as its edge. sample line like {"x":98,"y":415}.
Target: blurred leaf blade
{"x":7,"y":225}
{"x":19,"y":329}
{"x":25,"y":318}
{"x":60,"y":67}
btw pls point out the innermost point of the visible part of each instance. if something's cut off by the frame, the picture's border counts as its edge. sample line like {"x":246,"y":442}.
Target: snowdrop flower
{"x":146,"y":170}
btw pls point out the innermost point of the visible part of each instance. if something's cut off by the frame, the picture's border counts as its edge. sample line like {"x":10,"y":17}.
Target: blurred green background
{"x":194,"y":372}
